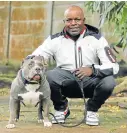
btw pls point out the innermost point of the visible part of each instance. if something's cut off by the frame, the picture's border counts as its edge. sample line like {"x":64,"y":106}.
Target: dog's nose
{"x":38,"y":69}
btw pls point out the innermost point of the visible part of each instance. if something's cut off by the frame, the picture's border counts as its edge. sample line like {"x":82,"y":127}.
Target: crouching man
{"x":81,"y":53}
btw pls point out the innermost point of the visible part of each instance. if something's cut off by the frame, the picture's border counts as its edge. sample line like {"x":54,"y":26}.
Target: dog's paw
{"x":9,"y":126}
{"x":40,"y":121}
{"x":47,"y":123}
{"x":16,"y":120}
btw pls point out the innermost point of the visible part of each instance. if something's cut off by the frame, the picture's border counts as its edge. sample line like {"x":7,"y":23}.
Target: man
{"x":81,"y":53}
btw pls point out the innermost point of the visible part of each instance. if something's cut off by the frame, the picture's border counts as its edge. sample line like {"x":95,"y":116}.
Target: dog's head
{"x":33,"y":68}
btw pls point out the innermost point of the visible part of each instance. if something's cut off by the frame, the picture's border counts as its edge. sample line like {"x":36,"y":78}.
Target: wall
{"x":29,"y":26}
{"x":25,"y":24}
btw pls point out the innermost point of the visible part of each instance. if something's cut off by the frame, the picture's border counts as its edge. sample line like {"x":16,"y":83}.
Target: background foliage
{"x":112,"y":12}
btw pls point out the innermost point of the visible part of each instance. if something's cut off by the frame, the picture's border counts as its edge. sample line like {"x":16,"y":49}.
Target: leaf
{"x":115,"y":12}
{"x":124,"y":15}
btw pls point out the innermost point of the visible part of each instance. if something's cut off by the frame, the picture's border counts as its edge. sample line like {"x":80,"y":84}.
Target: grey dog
{"x":30,"y":87}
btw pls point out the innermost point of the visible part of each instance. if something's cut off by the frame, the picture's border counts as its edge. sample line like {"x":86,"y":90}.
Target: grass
{"x":4,"y":92}
{"x":113,"y":119}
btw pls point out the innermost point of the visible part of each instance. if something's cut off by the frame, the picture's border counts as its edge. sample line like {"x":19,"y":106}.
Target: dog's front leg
{"x":40,"y":117}
{"x":13,"y":105}
{"x":17,"y":110}
{"x":46,"y":121}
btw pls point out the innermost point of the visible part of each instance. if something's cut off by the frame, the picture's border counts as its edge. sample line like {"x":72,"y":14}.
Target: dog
{"x":30,"y":87}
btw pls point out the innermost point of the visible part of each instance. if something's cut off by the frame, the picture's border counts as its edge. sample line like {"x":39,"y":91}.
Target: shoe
{"x":92,"y":118}
{"x":60,"y":116}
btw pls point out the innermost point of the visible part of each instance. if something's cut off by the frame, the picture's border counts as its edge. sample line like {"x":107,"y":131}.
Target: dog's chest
{"x":31,"y":96}
{"x":32,"y":87}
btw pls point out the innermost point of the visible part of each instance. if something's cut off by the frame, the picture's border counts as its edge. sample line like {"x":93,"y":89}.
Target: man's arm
{"x":109,"y":65}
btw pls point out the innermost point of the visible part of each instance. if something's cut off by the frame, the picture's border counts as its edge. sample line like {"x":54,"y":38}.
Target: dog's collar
{"x":26,"y":81}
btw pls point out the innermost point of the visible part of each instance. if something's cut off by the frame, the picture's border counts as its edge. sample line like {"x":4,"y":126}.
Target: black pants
{"x":64,"y":84}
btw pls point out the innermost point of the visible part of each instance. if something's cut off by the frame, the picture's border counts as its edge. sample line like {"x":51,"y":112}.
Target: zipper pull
{"x":80,"y":56}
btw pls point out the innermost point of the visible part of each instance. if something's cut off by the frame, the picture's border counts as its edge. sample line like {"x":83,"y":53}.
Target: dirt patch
{"x":54,"y":129}
{"x":112,"y":118}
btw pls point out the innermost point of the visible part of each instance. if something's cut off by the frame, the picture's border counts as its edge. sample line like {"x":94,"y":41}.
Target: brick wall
{"x":30,"y":23}
{"x":29,"y":26}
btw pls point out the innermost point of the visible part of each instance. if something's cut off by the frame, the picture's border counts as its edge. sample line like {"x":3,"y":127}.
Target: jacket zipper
{"x":76,"y":65}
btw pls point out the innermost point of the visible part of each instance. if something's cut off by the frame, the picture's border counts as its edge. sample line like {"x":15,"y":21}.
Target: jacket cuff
{"x":95,"y":71}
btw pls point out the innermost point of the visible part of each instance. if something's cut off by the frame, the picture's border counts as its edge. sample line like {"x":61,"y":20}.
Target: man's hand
{"x":83,"y":71}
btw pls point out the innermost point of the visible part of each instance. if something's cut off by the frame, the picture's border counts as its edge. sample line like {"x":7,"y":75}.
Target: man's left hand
{"x":83,"y":71}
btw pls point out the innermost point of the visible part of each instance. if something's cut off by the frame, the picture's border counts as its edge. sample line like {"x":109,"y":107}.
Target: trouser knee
{"x":108,"y":84}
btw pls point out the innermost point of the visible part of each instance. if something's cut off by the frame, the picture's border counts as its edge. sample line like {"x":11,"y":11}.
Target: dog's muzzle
{"x":36,"y":77}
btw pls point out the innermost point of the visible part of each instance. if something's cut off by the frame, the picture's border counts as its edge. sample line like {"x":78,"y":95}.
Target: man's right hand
{"x":83,"y":71}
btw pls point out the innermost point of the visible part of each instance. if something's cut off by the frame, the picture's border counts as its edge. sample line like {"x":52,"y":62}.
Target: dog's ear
{"x":22,"y":63}
{"x":29,"y":57}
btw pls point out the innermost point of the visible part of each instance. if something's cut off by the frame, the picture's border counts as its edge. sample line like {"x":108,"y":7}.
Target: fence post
{"x":8,"y":36}
{"x":51,"y":60}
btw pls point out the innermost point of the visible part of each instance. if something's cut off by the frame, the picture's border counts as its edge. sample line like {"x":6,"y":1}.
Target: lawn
{"x":113,"y":115}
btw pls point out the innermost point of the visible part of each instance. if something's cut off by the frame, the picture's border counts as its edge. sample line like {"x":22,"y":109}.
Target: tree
{"x":112,"y":12}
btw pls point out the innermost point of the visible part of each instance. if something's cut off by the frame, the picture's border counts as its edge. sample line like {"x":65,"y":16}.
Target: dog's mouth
{"x":36,"y":77}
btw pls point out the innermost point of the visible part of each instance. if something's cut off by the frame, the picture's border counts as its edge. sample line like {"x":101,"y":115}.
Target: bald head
{"x":74,"y":20}
{"x":74,"y":10}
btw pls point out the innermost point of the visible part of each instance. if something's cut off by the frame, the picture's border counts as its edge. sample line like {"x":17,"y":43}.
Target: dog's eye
{"x":31,"y":64}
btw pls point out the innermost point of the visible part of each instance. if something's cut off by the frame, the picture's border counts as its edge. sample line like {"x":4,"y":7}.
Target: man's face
{"x":74,"y":22}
